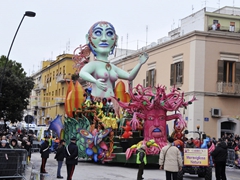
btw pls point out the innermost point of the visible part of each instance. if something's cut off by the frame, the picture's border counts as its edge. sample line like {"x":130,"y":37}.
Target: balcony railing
{"x":60,"y":100}
{"x":63,"y":78}
{"x":228,"y":88}
{"x":40,"y":86}
{"x":225,"y":29}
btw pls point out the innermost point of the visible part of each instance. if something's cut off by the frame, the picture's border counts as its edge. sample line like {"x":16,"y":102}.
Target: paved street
{"x":92,"y":171}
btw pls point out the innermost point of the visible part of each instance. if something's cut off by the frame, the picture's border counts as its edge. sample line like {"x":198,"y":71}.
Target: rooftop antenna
{"x":127,"y":45}
{"x":192,"y":9}
{"x":233,"y":7}
{"x":121,"y":44}
{"x":146,"y":34}
{"x":68,"y":46}
{"x":219,"y":6}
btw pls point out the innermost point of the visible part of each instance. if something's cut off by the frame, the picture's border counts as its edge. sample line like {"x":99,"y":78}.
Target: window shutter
{"x":172,"y":73}
{"x":220,"y":70}
{"x":147,"y":78}
{"x":181,"y":73}
{"x":155,"y":77}
{"x":237,"y":72}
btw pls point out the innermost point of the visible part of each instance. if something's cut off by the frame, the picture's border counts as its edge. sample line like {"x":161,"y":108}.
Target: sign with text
{"x":195,"y":157}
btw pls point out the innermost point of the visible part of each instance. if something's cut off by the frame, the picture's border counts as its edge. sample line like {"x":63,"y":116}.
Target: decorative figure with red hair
{"x":101,"y":40}
{"x":152,"y":107}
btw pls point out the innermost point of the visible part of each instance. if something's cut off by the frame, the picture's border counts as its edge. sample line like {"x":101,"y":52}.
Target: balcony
{"x":60,"y":100}
{"x":63,"y":78}
{"x":228,"y":89}
{"x":40,"y":86}
{"x":42,"y":104}
{"x":225,"y":29}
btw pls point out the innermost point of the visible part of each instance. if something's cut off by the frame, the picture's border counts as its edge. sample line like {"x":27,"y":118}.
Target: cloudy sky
{"x":61,"y":25}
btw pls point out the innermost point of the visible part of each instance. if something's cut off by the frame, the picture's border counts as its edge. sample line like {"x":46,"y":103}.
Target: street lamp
{"x":28,"y":14}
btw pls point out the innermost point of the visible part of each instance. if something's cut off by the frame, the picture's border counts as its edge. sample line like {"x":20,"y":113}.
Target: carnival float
{"x":109,"y":122}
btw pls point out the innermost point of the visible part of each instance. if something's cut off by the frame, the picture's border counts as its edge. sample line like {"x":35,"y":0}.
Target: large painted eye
{"x":150,"y":118}
{"x":161,"y":118}
{"x":98,"y":33}
{"x":110,"y":33}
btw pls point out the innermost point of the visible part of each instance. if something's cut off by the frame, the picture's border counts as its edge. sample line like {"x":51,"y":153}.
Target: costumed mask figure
{"x":152,"y":107}
{"x":178,"y":129}
{"x":127,"y":130}
{"x":101,"y":41}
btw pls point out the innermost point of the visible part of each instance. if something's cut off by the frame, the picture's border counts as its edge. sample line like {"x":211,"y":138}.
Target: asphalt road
{"x":93,"y":171}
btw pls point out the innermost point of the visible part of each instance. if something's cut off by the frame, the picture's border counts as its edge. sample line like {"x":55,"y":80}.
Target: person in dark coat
{"x":71,"y":154}
{"x":27,"y":145}
{"x":14,"y":144}
{"x":45,"y":151}
{"x":141,"y":160}
{"x":220,"y":157}
{"x":59,"y":157}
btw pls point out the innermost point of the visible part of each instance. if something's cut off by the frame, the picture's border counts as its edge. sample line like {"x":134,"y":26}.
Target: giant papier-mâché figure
{"x":101,"y":41}
{"x":152,"y":107}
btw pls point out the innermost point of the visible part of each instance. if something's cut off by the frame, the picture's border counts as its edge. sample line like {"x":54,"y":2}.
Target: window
{"x":232,"y":27}
{"x":56,"y":93}
{"x":228,"y":71}
{"x":62,"y":91}
{"x":59,"y":92}
{"x":176,"y":76}
{"x":53,"y":75}
{"x":52,"y":95}
{"x":60,"y":71}
{"x":151,"y":78}
{"x":63,"y":70}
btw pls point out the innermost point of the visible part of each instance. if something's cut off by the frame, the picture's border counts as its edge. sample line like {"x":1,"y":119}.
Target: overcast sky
{"x":61,"y":25}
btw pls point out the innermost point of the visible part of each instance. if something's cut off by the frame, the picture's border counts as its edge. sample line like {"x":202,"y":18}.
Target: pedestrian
{"x":4,"y":144}
{"x":45,"y":151}
{"x":190,"y":143}
{"x":170,"y":160}
{"x":71,"y":154}
{"x":141,"y":160}
{"x":219,"y":158}
{"x":27,"y":145}
{"x":59,"y":157}
{"x":14,"y":144}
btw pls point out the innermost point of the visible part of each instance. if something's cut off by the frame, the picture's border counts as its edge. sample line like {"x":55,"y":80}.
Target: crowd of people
{"x":18,"y":139}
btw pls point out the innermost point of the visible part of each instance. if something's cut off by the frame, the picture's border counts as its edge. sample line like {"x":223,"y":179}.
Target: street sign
{"x":28,"y":119}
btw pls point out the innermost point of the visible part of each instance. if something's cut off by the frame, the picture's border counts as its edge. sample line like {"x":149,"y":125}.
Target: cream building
{"x":204,"y":63}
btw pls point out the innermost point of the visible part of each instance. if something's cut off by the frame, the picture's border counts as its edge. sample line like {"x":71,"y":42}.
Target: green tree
{"x":16,"y":90}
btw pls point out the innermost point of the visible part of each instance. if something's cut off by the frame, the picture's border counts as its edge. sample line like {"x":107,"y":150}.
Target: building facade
{"x":48,"y":95}
{"x":204,"y":63}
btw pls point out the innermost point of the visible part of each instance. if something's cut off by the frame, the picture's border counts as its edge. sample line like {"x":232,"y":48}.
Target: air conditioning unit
{"x":216,"y":112}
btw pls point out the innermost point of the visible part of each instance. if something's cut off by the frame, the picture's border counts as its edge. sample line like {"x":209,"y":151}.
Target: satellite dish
{"x":28,"y":119}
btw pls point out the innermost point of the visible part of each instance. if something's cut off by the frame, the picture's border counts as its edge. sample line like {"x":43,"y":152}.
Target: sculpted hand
{"x":143,"y":58}
{"x":101,"y":85}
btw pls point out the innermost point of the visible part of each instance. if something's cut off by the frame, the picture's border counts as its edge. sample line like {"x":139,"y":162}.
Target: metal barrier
{"x":12,"y":163}
{"x":231,"y":158}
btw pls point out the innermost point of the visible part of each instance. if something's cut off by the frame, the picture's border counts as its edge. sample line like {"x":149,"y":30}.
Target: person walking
{"x":45,"y":151}
{"x":71,"y":154}
{"x":141,"y":160}
{"x":170,"y":160}
{"x":219,"y":158}
{"x":59,"y":157}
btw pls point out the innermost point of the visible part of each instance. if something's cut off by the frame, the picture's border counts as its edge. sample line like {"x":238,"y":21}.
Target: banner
{"x":195,"y":157}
